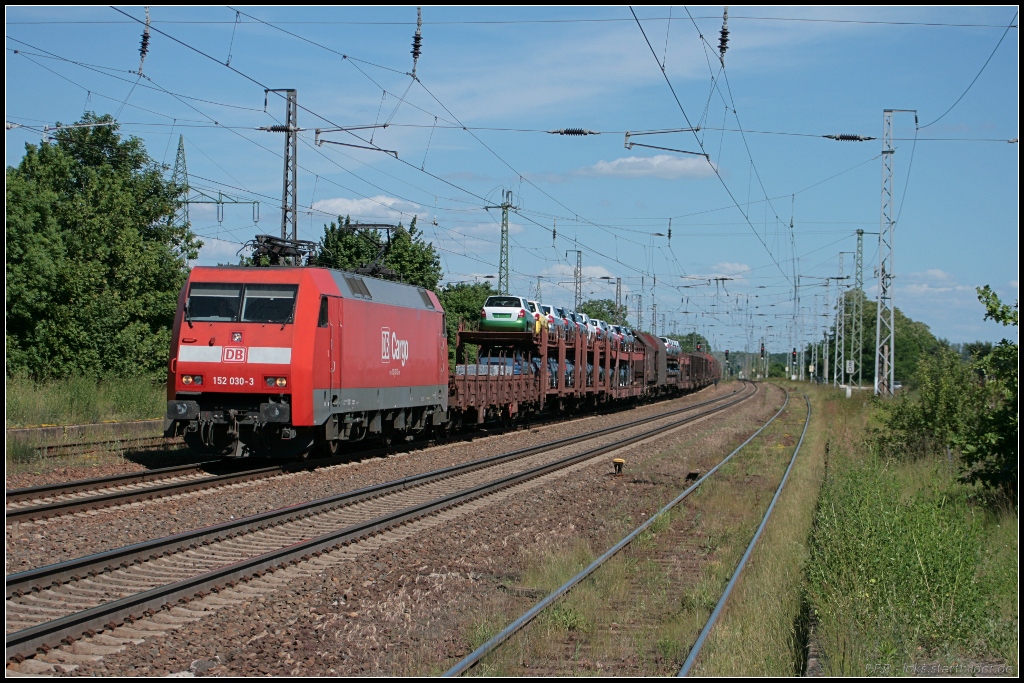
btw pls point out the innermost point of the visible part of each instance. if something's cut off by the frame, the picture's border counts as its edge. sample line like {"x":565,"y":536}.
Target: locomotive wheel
{"x":221,"y":445}
{"x":330,"y":448}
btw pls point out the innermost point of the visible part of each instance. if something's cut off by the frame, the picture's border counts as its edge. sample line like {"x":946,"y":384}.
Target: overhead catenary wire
{"x":713,"y":167}
{"x":980,"y":71}
{"x":589,"y":20}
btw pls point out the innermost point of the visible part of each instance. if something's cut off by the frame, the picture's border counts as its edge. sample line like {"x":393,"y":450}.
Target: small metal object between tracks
{"x":695,"y":650}
{"x":72,"y":625}
{"x":526,"y":618}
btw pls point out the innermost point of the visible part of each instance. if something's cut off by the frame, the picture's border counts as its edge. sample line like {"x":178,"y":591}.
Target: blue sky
{"x":493,"y":80}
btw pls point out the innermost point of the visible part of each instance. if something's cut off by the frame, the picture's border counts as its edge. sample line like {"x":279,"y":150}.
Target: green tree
{"x":94,"y":259}
{"x":914,"y":341}
{"x":606,"y":310}
{"x":462,"y":301}
{"x":690,"y":342}
{"x":989,"y":450}
{"x":346,"y":246}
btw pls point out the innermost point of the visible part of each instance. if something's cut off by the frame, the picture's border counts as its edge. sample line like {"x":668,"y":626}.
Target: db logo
{"x":393,"y":348}
{"x":233,"y":354}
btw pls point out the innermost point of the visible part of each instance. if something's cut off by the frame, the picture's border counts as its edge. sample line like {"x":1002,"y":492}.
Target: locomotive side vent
{"x":358,"y":287}
{"x":426,"y":299}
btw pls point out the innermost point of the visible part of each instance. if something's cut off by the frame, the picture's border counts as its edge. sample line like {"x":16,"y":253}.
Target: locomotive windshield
{"x":220,"y":302}
{"x":213,"y":302}
{"x":268,"y":303}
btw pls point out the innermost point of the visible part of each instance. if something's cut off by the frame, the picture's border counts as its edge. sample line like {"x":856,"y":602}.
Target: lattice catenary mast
{"x":885,"y":327}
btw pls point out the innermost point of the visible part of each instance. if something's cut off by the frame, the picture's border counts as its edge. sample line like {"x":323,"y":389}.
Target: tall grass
{"x":903,"y":569}
{"x":82,"y":400}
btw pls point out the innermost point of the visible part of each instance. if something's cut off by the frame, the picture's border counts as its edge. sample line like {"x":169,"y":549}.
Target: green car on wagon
{"x":507,"y":314}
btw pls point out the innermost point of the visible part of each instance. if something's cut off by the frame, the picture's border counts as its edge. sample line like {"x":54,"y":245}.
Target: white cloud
{"x":216,"y":251}
{"x":379,"y":207}
{"x":663,"y":166}
{"x":729,"y":268}
{"x":933,"y":274}
{"x":926,"y":289}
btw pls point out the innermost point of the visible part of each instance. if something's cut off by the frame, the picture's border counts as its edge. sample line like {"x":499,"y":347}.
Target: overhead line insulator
{"x":723,"y":38}
{"x":417,"y":40}
{"x":845,"y":137}
{"x":573,"y":131}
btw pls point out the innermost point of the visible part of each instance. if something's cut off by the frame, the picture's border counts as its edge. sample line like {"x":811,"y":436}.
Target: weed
{"x":567,"y":618}
{"x":20,"y":452}
{"x":670,"y":650}
{"x":482,"y":632}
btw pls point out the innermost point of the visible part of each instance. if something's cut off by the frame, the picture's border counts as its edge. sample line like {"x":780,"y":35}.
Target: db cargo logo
{"x":233,"y":354}
{"x":393,"y":348}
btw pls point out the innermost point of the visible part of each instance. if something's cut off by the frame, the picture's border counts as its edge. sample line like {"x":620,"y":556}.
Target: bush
{"x":926,"y":422}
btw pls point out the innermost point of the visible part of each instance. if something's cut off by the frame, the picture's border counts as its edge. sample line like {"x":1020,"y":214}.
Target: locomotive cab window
{"x":268,"y":303}
{"x":213,"y":302}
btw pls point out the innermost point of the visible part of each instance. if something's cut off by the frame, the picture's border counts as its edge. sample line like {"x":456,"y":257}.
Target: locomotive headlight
{"x":197,"y":380}
{"x":282,"y":382}
{"x":270,"y":381}
{"x":186,"y":379}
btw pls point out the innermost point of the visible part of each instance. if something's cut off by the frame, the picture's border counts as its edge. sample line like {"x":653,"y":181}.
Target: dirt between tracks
{"x":34,"y":544}
{"x":415,"y":601}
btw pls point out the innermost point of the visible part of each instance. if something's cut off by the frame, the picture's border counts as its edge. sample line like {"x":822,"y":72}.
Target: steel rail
{"x":499,"y":638}
{"x":47,"y":634}
{"x":63,"y":488}
{"x":695,"y":650}
{"x":65,"y":507}
{"x":135,"y":444}
{"x":44,"y":577}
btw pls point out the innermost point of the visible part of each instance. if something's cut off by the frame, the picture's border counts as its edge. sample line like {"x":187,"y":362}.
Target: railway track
{"x":86,"y":439}
{"x":505,"y":634}
{"x":48,"y":605}
{"x":54,"y":500}
{"x":133,"y":444}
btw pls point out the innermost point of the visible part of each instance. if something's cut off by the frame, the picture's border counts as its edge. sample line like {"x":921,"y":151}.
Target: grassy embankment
{"x":77,"y":400}
{"x":897,"y":564}
{"x":82,"y":400}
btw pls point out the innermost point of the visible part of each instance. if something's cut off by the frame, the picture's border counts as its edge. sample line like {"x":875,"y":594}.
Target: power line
{"x":689,"y":125}
{"x":456,"y":121}
{"x":979,"y":72}
{"x":101,"y":70}
{"x":500,"y":22}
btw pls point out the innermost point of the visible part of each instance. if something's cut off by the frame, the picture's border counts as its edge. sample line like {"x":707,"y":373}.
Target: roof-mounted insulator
{"x":144,"y":45}
{"x":417,"y":40}
{"x":573,"y":131}
{"x":723,"y":38}
{"x":843,"y":137}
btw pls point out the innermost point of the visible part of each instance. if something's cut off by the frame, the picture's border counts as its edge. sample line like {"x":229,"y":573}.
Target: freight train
{"x":296,"y":360}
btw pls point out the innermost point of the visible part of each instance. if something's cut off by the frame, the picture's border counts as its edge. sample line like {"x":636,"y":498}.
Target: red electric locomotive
{"x":283,"y":359}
